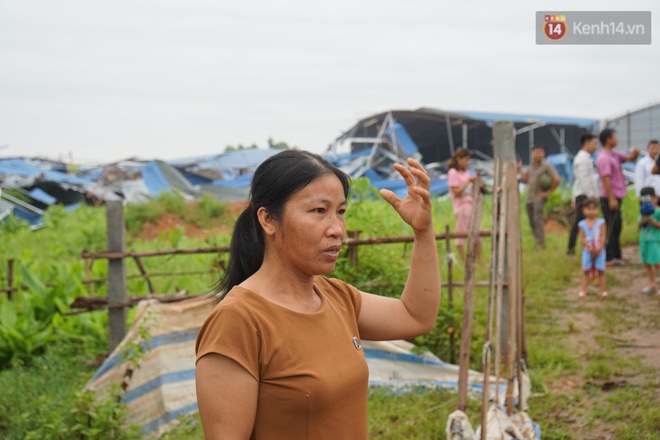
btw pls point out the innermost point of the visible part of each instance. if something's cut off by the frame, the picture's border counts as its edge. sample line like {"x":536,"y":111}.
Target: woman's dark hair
{"x":277,"y":179}
{"x":458,"y":154}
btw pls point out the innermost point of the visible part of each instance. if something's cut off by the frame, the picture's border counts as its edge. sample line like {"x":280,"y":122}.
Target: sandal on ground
{"x":582,"y":294}
{"x":649,"y":291}
{"x":603,"y":294}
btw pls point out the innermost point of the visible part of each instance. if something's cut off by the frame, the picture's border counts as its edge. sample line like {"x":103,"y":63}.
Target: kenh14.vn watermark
{"x":593,"y":27}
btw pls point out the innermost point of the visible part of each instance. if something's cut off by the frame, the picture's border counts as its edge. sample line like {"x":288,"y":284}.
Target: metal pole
{"x":450,"y":135}
{"x":464,"y":139}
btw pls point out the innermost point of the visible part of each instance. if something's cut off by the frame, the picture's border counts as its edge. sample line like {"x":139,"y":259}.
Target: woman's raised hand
{"x":415,"y":209}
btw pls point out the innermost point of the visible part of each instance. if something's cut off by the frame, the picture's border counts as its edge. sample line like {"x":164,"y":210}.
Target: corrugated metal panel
{"x":638,"y":127}
{"x":42,"y":196}
{"x":556,"y":120}
{"x":19,"y":167}
{"x":6,"y":208}
{"x":244,"y":159}
{"x":160,"y":177}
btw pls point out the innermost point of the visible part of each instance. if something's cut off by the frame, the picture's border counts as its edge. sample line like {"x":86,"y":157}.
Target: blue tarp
{"x":563,"y":163}
{"x":19,"y":167}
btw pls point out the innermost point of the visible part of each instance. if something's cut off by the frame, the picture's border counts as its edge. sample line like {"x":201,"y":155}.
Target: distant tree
{"x":241,"y":147}
{"x":281,"y":145}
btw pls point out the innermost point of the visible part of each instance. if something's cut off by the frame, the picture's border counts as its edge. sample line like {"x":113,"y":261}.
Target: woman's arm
{"x":458,"y":190}
{"x":415,"y":313}
{"x":227,"y":398}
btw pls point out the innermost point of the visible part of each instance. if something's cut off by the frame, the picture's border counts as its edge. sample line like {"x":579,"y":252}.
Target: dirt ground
{"x":640,"y":310}
{"x":628,"y":320}
{"x":151,"y":231}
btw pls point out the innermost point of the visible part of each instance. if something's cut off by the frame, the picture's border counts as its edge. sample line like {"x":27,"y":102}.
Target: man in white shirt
{"x":585,"y":183}
{"x":644,"y":167}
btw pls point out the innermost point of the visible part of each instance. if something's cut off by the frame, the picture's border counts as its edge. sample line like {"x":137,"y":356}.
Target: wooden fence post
{"x":353,"y":249}
{"x":504,"y":149}
{"x":116,"y":272}
{"x":468,"y":295}
{"x":10,"y":278}
{"x":450,"y":297}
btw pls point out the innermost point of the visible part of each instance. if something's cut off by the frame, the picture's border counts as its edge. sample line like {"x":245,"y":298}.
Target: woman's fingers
{"x":390,"y":197}
{"x":416,"y":171}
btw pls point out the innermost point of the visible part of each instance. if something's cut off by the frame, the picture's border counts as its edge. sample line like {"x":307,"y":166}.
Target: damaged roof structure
{"x":42,"y":184}
{"x":437,"y":133}
{"x":37,"y":184}
{"x":368,"y":149}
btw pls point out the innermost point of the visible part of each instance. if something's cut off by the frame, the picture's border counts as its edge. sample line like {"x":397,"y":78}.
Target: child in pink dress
{"x":460,"y":181}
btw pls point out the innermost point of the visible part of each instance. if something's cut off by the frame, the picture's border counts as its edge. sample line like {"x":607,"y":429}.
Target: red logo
{"x":554,"y":27}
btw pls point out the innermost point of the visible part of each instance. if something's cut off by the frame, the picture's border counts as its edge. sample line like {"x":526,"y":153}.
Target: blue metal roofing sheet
{"x":19,"y":167}
{"x":42,"y":196}
{"x":250,"y":158}
{"x":521,"y":118}
{"x":154,"y":178}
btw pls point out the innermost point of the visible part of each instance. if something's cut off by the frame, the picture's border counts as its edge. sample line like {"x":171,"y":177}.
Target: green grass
{"x":43,"y":390}
{"x":32,"y":393}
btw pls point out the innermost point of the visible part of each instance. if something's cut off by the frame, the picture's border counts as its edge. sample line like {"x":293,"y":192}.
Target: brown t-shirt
{"x":313,"y":378}
{"x":534,"y":173}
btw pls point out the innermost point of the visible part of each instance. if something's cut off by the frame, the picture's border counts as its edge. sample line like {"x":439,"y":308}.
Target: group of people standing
{"x":598,"y":186}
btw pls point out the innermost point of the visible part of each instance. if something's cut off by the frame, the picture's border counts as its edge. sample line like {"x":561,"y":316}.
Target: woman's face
{"x":463,"y":162}
{"x":312,"y":228}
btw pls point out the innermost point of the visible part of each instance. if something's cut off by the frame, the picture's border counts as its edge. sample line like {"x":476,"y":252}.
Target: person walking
{"x":644,"y":176}
{"x":585,"y":183}
{"x":538,"y":191}
{"x":612,"y":190}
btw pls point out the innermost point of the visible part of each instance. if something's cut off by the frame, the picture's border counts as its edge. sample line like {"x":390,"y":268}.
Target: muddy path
{"x":616,"y":341}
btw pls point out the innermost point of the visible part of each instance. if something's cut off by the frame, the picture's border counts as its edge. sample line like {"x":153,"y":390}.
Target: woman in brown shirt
{"x":280,"y":356}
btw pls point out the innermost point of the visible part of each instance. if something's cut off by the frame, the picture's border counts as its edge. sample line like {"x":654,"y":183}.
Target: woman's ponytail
{"x":246,"y":251}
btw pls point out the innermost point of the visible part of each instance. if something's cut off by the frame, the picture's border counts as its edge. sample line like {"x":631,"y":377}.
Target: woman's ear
{"x":267,"y":222}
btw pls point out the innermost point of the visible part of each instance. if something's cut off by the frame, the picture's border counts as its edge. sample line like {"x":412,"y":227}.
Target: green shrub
{"x":136,"y":215}
{"x":208,"y":209}
{"x":13,"y":224}
{"x":174,"y":203}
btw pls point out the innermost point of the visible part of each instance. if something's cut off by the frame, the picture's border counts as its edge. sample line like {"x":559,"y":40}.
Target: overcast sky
{"x":105,"y":80}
